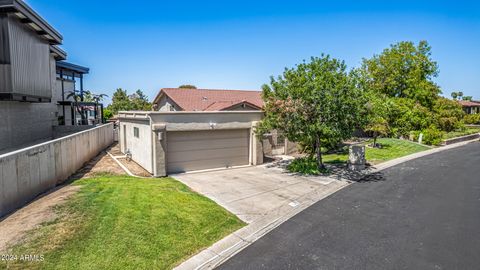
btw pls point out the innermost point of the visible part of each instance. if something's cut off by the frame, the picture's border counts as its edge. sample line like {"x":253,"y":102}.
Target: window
{"x":136,"y":132}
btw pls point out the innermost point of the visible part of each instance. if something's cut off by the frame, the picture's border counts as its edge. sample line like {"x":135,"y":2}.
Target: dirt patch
{"x":14,"y":227}
{"x":134,"y":168}
{"x":115,"y":150}
{"x":102,"y":163}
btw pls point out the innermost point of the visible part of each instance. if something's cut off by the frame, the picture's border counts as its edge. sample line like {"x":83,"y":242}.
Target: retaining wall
{"x":28,"y":172}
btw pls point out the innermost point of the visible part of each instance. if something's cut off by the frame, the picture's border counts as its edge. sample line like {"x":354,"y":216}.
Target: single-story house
{"x":180,"y":99}
{"x":180,"y":141}
{"x":470,"y":107}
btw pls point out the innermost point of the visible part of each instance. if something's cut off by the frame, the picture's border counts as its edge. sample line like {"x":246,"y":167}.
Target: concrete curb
{"x":232,"y":244}
{"x":393,"y":162}
{"x":115,"y":158}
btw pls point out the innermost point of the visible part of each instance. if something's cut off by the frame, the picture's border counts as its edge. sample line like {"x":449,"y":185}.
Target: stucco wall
{"x":149,"y":150}
{"x":166,"y":105}
{"x":206,"y":120}
{"x":26,"y":173}
{"x":141,"y":147}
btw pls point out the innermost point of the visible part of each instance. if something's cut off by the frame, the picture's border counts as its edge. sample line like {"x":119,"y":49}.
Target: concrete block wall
{"x":62,"y":131}
{"x":26,"y":173}
{"x":22,"y":123}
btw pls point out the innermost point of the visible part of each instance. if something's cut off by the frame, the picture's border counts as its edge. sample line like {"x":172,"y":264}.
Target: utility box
{"x":357,"y":159}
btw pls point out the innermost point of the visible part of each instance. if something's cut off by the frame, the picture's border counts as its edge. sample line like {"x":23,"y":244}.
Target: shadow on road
{"x":339,"y":171}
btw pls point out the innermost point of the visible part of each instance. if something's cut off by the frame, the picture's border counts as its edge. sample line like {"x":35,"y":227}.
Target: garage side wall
{"x":136,"y":136}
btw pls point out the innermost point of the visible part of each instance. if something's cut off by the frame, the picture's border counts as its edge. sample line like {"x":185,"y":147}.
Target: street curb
{"x":232,"y":244}
{"x":394,"y":162}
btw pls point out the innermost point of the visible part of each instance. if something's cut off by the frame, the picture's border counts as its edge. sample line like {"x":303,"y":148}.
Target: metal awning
{"x":72,"y":67}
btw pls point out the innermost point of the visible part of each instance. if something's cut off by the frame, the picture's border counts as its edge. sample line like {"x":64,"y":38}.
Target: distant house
{"x":470,"y":107}
{"x":35,"y":80}
{"x":180,"y":99}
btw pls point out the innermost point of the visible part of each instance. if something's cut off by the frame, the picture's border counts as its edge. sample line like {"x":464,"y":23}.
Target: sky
{"x":150,"y":45}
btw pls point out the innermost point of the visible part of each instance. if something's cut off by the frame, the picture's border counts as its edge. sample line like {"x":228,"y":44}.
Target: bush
{"x":305,"y":165}
{"x":432,"y":136}
{"x":448,"y":114}
{"x":414,"y":135}
{"x":472,"y":119}
{"x":406,"y":115}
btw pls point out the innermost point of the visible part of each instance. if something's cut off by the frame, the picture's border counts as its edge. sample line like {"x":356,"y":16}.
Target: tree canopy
{"x":404,"y":70}
{"x":316,"y":104}
{"x":187,"y":86}
{"x":402,"y":78}
{"x":121,"y":101}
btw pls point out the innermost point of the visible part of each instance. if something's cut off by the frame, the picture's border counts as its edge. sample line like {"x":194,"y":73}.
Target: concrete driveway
{"x":252,"y":193}
{"x":421,"y":214}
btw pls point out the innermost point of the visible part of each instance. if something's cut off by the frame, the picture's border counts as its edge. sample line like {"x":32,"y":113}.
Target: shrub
{"x":472,"y":119}
{"x":448,"y":114}
{"x":414,"y":135}
{"x":432,"y":135}
{"x":406,"y":115}
{"x":305,"y":165}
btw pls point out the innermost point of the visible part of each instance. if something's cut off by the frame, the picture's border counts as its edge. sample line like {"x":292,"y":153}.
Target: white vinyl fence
{"x":28,"y":172}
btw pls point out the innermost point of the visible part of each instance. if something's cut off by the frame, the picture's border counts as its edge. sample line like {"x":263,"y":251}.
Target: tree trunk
{"x":375,"y":139}
{"x":318,"y":152}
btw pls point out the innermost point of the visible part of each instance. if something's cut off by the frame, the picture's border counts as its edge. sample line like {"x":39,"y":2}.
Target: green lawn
{"x":391,"y":149}
{"x":120,"y":222}
{"x":459,"y":133}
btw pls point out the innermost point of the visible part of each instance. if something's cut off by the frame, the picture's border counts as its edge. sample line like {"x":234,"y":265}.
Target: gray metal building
{"x":32,"y":84}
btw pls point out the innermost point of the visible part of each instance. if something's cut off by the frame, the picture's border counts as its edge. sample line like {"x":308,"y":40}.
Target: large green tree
{"x":316,"y":104}
{"x":140,"y":101}
{"x":121,"y":101}
{"x":404,"y":70}
{"x":377,"y":116}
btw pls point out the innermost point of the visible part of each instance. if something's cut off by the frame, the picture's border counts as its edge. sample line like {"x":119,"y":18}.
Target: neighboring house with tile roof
{"x":180,"y":99}
{"x":470,"y":107}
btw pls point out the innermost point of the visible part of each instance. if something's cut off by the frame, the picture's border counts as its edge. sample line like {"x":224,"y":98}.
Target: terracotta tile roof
{"x":210,"y":99}
{"x":468,"y":103}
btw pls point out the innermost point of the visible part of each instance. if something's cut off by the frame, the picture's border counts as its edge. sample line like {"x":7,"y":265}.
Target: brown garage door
{"x":199,"y":150}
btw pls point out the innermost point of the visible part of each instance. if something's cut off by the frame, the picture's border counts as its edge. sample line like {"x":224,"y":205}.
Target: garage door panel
{"x":186,"y":136}
{"x":188,"y":146}
{"x":198,"y":150}
{"x":200,"y":164}
{"x":207,"y":154}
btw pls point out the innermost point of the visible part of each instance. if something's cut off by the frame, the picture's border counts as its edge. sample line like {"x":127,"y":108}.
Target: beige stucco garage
{"x":173,"y":142}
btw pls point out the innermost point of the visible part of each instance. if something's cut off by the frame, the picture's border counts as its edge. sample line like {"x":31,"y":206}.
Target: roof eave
{"x":242,"y":102}
{"x":58,"y":53}
{"x":73,"y":67}
{"x":29,"y":16}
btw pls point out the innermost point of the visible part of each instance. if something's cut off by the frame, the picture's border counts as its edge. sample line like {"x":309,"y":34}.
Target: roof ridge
{"x":210,"y":89}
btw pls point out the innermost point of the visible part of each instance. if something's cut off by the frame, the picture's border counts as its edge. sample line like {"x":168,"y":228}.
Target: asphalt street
{"x":422,"y":214}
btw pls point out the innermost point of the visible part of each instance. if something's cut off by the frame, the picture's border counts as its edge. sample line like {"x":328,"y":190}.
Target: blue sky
{"x":149,"y":45}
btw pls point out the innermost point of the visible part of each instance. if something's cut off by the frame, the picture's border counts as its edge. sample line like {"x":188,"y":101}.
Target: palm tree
{"x":88,"y":96}
{"x":97,"y":98}
{"x":77,"y":97}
